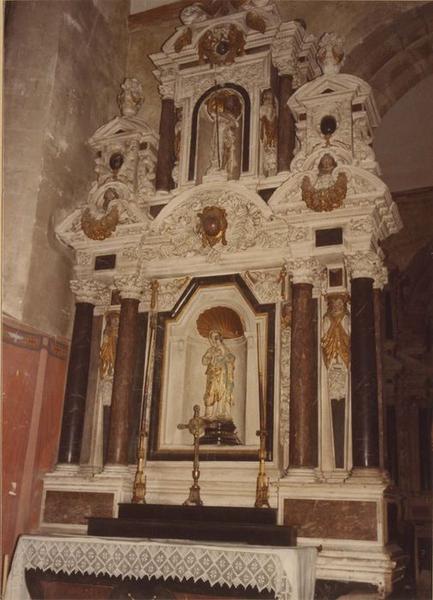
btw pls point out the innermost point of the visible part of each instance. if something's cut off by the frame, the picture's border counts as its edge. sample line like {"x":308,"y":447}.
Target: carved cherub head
{"x":337,"y":304}
{"x":326,"y":164}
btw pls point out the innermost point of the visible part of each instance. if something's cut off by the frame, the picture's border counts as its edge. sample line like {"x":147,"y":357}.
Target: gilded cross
{"x":196,"y":427}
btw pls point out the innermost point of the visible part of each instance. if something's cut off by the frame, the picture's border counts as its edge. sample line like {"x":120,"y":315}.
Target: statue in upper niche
{"x":269,"y":133}
{"x":225,"y":109}
{"x":131,"y":97}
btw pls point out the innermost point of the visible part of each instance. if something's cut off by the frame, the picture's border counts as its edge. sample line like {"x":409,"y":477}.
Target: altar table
{"x":288,"y":572}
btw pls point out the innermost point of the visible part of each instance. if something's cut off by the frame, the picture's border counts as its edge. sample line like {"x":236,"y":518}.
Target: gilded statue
{"x":220,"y":366}
{"x":335,"y":344}
{"x":107,"y":352}
{"x":336,"y":340}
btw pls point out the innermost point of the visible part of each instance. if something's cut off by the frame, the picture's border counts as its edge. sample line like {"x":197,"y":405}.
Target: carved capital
{"x":167,"y":80}
{"x":367,"y":264}
{"x":130,"y":286}
{"x":286,"y":64}
{"x":90,"y":290}
{"x":304,"y":270}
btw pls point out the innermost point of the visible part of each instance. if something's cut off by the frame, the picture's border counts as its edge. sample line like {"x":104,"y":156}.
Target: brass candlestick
{"x":139,"y":487}
{"x":196,"y":427}
{"x":262,"y":485}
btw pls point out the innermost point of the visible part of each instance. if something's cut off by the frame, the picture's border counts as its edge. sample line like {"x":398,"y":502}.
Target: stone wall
{"x":64,"y":62}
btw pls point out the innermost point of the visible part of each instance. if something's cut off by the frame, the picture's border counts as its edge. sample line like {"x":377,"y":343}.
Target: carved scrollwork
{"x":266,"y":285}
{"x":284,"y":382}
{"x":221,"y":45}
{"x":180,"y":233}
{"x":90,"y":290}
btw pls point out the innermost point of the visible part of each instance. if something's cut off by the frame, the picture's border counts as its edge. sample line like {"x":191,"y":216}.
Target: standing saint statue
{"x":269,"y":133}
{"x":225,"y":111}
{"x":335,"y":344}
{"x":220,"y":366}
{"x":107,"y":353}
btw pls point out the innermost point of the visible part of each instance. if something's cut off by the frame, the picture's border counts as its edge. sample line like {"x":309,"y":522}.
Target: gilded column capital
{"x":91,"y":291}
{"x":367,"y":264}
{"x":304,"y":270}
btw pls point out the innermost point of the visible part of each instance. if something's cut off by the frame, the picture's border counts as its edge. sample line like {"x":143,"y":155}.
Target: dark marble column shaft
{"x":378,"y":328}
{"x":286,"y":124}
{"x":118,"y":439}
{"x":76,"y":385}
{"x":365,"y":432}
{"x":165,"y":163}
{"x":303,"y":379}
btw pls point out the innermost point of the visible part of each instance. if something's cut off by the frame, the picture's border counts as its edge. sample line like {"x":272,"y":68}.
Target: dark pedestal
{"x":221,"y":433}
{"x":199,"y":523}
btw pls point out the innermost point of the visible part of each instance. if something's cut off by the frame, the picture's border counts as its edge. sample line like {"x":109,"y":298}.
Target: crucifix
{"x":196,"y":427}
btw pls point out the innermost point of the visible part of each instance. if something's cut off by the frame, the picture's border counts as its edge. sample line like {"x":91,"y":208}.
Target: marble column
{"x":87,"y":294}
{"x":286,"y":124}
{"x":365,"y":430}
{"x":303,"y":439}
{"x":121,"y":398}
{"x":166,"y":156}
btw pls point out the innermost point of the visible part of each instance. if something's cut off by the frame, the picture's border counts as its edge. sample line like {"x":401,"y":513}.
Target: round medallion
{"x":211,"y":225}
{"x":328,"y":125}
{"x":222,"y":47}
{"x":116,"y":161}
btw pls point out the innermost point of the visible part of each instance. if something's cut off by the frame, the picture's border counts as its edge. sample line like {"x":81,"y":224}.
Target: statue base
{"x":221,"y":433}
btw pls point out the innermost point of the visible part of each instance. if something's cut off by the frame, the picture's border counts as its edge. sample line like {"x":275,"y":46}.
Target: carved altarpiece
{"x":237,"y":276}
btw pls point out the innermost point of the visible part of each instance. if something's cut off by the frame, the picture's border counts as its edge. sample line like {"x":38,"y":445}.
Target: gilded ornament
{"x":327,"y":193}
{"x":107,"y":352}
{"x":212,"y":226}
{"x":336,"y":341}
{"x":221,"y":45}
{"x":102,"y":228}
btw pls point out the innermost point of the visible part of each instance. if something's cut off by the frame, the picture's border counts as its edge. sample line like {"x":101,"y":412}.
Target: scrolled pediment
{"x":178,"y":231}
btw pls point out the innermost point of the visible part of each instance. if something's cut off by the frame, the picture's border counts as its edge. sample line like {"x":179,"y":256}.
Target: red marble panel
{"x":49,"y":428}
{"x":335,"y":519}
{"x":74,"y":507}
{"x":20,"y":366}
{"x":33,"y":379}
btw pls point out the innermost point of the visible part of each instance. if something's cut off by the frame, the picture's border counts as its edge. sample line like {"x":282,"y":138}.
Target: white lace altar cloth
{"x":288,"y":572}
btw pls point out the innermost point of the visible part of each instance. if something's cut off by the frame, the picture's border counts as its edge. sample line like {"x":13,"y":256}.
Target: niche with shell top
{"x":207,"y":354}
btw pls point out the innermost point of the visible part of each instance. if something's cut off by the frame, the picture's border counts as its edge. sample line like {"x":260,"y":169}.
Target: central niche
{"x":220,"y":134}
{"x":207,"y":354}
